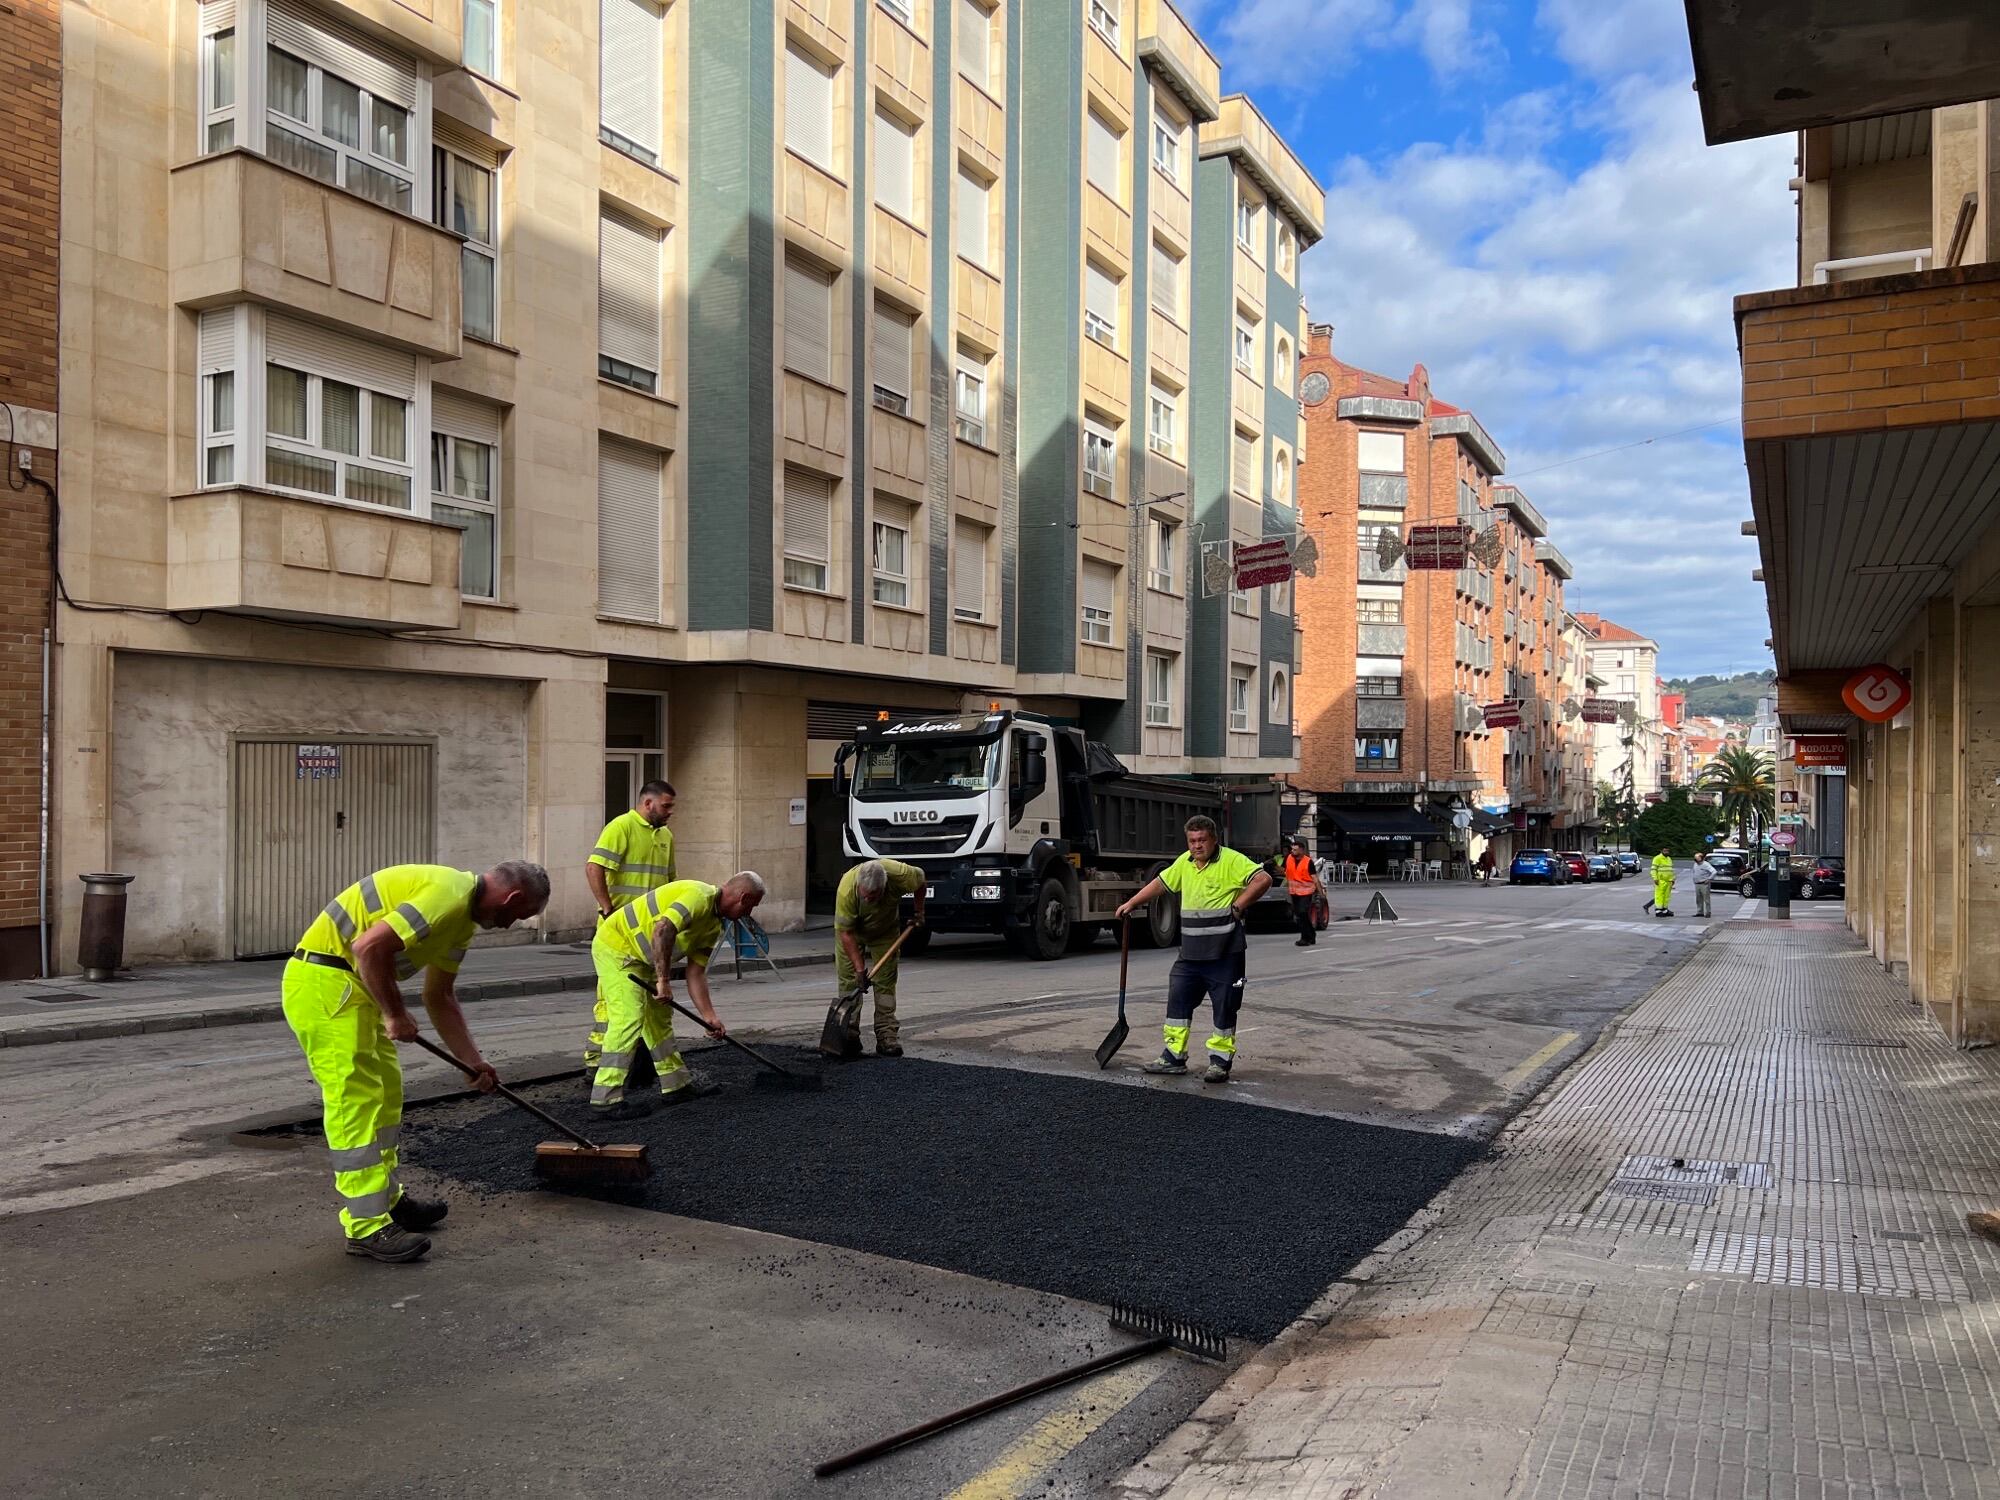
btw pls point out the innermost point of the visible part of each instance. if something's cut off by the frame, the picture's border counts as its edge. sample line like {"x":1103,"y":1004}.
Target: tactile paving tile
{"x":1887,"y":1270}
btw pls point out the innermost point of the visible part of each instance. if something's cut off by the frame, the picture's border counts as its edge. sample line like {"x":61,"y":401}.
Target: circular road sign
{"x":1783,"y":840}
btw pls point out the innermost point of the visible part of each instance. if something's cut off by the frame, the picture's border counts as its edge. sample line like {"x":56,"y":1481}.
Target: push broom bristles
{"x":597,"y":1166}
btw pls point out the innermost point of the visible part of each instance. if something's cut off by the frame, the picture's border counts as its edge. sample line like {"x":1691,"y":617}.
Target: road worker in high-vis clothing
{"x":634,"y":953}
{"x":867,"y":912}
{"x":344,"y":1001}
{"x":633,"y":857}
{"x":1217,"y":886}
{"x":1663,"y":885}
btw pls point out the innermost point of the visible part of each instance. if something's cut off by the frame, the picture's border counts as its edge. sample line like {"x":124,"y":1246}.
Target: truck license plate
{"x":929,"y":892}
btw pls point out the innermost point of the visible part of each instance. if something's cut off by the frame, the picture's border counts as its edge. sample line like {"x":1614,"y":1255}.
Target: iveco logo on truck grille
{"x":915,"y":815}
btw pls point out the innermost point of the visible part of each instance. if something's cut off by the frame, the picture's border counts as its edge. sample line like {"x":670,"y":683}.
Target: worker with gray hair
{"x":634,"y":953}
{"x":344,"y":1001}
{"x":866,"y":912}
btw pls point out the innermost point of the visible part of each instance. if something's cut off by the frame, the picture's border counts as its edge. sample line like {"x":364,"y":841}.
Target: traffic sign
{"x":1783,"y":840}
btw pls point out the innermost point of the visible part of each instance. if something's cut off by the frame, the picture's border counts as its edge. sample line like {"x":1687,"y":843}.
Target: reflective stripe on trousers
{"x":361,"y":1089}
{"x":631,"y":1015}
{"x":1220,"y":982}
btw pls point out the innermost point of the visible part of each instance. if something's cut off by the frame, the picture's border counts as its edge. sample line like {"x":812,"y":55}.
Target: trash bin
{"x":100,"y":941}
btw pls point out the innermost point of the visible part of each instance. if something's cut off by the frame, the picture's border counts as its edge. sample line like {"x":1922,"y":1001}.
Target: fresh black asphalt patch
{"x":1234,"y":1215}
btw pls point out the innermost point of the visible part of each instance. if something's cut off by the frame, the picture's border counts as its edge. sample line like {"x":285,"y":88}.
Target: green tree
{"x":1748,"y":786}
{"x":1678,"y":825}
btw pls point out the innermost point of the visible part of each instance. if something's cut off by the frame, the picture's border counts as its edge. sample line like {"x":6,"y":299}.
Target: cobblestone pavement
{"x":1726,"y":1257}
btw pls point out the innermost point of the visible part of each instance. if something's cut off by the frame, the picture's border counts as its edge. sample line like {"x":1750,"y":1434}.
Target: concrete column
{"x":1977,"y":829}
{"x":1898,"y":856}
{"x":1917,"y":871}
{"x":1937,"y":832}
{"x":565,"y":782}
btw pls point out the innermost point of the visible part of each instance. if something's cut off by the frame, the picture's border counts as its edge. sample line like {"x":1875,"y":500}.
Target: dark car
{"x":1628,"y":861}
{"x":1812,"y":877}
{"x":1603,"y":867}
{"x":1579,"y":867}
{"x":1543,"y":866}
{"x":1730,"y":864}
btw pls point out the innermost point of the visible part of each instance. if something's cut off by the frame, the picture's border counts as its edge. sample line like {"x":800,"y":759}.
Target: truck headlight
{"x":988,"y":874}
{"x":986,"y":893}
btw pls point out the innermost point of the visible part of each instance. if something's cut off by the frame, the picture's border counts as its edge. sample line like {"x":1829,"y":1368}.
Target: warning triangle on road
{"x":1379,"y":910}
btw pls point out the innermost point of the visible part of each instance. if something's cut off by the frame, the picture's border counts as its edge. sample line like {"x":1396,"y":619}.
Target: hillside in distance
{"x":1725,"y":697}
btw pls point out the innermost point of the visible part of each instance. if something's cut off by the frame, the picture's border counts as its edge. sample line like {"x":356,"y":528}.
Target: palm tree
{"x":1747,"y":784}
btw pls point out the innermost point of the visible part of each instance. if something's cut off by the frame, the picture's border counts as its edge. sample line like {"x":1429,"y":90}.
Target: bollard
{"x":100,"y":940}
{"x":1778,"y":887}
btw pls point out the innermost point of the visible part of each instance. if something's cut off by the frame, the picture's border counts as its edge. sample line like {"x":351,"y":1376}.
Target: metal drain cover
{"x":1687,"y":1169}
{"x":1669,"y":1192}
{"x":1872,"y":1270}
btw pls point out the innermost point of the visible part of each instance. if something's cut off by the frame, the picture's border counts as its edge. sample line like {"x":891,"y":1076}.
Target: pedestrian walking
{"x":343,"y":1000}
{"x":1704,"y":880}
{"x":1663,"y":885}
{"x":1486,"y":865}
{"x":1216,"y":886}
{"x":633,"y":857}
{"x":867,"y":911}
{"x":1302,"y":885}
{"x":634,"y":954}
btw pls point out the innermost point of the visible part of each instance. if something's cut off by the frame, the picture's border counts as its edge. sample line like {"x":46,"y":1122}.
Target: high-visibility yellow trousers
{"x":1663,"y":892}
{"x":846,"y":982}
{"x":632,"y":1013}
{"x":360,"y":1084}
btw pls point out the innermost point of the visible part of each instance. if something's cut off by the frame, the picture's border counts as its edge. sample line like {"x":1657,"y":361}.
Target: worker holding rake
{"x":634,"y":953}
{"x":344,"y":1002}
{"x":867,"y":911}
{"x":1216,"y":886}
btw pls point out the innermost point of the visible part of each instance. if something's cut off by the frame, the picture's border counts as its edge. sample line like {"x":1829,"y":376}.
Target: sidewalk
{"x":187,"y":997}
{"x":1726,"y":1257}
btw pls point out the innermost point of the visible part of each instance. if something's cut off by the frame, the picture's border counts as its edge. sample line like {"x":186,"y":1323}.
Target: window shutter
{"x":808,"y":319}
{"x":628,"y":290}
{"x":1246,"y":465}
{"x":975,"y":234}
{"x":895,"y":155}
{"x":975,"y":41}
{"x":1166,"y":281}
{"x":968,"y":568}
{"x":1100,"y":293}
{"x":1100,"y":586}
{"x":308,"y":346}
{"x":216,"y":341}
{"x":1103,"y":154}
{"x":340,"y":49}
{"x":893,"y":330}
{"x":808,"y":108}
{"x":217,"y":15}
{"x":463,"y":417}
{"x":628,"y":530}
{"x":630,"y":41}
{"x":808,"y":515}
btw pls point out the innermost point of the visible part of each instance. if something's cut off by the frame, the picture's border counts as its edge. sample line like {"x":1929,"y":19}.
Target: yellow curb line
{"x":1024,"y":1463}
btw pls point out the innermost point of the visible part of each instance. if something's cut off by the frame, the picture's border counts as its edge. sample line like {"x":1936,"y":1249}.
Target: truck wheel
{"x":1083,"y":936}
{"x":1161,"y":927}
{"x":917,"y":943}
{"x":1045,"y":935}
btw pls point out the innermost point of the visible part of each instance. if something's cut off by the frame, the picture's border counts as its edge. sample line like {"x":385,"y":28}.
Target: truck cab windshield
{"x":923,"y":770}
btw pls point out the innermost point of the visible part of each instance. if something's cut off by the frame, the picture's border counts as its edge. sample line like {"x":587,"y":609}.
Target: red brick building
{"x":30,"y":143}
{"x":1397,"y":661}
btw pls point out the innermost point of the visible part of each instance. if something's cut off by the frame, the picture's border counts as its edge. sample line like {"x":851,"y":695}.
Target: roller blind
{"x":342,"y":50}
{"x":975,"y":41}
{"x":628,"y":290}
{"x":1103,"y":154}
{"x":1100,"y":293}
{"x":216,"y":342}
{"x":461,"y":416}
{"x":975,"y":234}
{"x":1100,"y":586}
{"x":631,"y":48}
{"x":324,"y":352}
{"x":968,"y":568}
{"x":808,"y":507}
{"x":895,"y":156}
{"x":628,"y":530}
{"x":1245,"y":468}
{"x":1166,"y":281}
{"x":893,"y":329}
{"x":809,"y":108}
{"x":808,"y":319}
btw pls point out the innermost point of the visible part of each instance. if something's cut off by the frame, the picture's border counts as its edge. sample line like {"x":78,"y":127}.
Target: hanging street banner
{"x":1819,"y":750}
{"x":1305,"y":556}
{"x":1445,"y":547}
{"x":1261,"y":563}
{"x":1506,"y":714}
{"x":1600,"y":710}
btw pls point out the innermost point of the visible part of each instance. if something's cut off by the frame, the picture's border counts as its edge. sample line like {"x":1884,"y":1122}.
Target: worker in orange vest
{"x":1302,"y":885}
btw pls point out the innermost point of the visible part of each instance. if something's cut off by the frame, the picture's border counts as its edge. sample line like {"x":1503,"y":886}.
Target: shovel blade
{"x":1113,"y":1040}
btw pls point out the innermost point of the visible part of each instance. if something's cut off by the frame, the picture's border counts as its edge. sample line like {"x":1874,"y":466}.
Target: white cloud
{"x":1266,"y":42}
{"x":1449,"y":40}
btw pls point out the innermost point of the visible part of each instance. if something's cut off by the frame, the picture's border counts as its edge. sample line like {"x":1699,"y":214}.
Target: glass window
{"x":219,"y":415}
{"x":1379,"y":611}
{"x":1104,"y":17}
{"x":1100,"y":457}
{"x":1246,"y":346}
{"x":345,"y":136}
{"x":1099,"y":601}
{"x":1163,"y":575}
{"x":220,"y":52}
{"x":1378,"y":752}
{"x":892,"y":554}
{"x":1162,"y":410}
{"x":969,"y":398}
{"x":316,"y":428}
{"x":1159,"y":688}
{"x":463,"y":495}
{"x":481,"y":50}
{"x":1239,"y":699}
{"x":1100,"y":305}
{"x":1167,"y":145}
{"x":465,"y":204}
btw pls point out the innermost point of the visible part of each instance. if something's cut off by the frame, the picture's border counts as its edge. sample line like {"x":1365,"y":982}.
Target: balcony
{"x":1384,"y":492}
{"x":241,"y":227}
{"x":1379,"y":640}
{"x":252,"y":552}
{"x":1168,"y":45}
{"x":1379,"y":713}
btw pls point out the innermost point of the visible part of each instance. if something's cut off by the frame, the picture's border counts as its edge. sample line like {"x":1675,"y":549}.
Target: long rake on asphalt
{"x":1157,"y":1333}
{"x":1115,"y":1037}
{"x":780,"y":1076}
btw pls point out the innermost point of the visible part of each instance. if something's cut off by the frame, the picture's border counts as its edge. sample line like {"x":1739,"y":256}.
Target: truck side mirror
{"x":1034,"y":764}
{"x":840,"y":782}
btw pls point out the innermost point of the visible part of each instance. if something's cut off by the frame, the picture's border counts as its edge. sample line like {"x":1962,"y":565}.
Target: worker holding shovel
{"x":1216,"y":886}
{"x":633,"y":954}
{"x":866,"y":915}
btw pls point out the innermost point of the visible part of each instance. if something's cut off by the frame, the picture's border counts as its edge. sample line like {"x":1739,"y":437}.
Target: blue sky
{"x":1518,"y":196}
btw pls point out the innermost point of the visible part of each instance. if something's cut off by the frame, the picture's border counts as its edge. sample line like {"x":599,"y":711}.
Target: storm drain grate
{"x":1872,"y":1270}
{"x":1668,"y":1192}
{"x":1688,"y":1169}
{"x":1846,"y":1039}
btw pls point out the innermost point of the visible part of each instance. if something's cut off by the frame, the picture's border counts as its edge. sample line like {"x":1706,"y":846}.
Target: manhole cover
{"x":1872,"y":1270}
{"x":1668,"y":1192}
{"x":1687,"y":1169}
{"x":62,"y":997}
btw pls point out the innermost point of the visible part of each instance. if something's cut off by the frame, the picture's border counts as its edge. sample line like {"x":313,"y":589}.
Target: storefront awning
{"x":1486,"y":822}
{"x":1382,"y":825}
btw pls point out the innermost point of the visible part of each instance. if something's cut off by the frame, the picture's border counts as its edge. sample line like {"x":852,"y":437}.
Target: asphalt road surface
{"x":180,"y":1320}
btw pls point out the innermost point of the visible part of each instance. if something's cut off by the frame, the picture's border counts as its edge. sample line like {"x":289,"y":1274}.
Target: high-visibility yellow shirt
{"x":688,"y":904}
{"x":637,"y":857}
{"x":1209,"y":928}
{"x":873,"y":921}
{"x":428,"y":906}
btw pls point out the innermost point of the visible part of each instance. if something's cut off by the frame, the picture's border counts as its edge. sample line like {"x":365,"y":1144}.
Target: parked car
{"x":1579,"y":867}
{"x":1628,"y":861}
{"x":1539,"y":866}
{"x":1604,"y":867}
{"x":1730,"y":864}
{"x":1822,"y":875}
{"x":1752,"y":881}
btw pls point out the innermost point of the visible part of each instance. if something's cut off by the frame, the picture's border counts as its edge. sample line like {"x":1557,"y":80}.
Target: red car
{"x":1579,"y":867}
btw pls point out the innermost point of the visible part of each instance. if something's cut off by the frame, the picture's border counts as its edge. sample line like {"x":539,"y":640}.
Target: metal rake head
{"x":1197,"y":1339}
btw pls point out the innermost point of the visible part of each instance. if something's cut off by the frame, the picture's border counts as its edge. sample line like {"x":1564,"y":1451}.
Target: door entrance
{"x":308,"y":820}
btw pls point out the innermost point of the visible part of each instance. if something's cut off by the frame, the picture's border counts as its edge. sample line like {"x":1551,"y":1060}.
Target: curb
{"x":255,"y":1012}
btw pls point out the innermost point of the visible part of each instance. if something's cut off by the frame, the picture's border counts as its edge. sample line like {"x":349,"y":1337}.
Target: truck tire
{"x":1045,"y":935}
{"x":917,"y":943}
{"x":1161,"y":927}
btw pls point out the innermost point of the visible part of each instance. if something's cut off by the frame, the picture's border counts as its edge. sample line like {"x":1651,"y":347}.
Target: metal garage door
{"x":309,"y":819}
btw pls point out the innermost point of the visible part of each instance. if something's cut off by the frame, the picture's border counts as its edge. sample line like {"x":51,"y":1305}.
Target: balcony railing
{"x":1916,"y":260}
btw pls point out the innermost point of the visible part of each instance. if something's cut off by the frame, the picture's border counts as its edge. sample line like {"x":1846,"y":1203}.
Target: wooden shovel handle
{"x":877,"y":969}
{"x":1124,"y":956}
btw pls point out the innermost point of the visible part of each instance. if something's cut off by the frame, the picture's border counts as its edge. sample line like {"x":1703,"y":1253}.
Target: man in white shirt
{"x":1704,"y":878}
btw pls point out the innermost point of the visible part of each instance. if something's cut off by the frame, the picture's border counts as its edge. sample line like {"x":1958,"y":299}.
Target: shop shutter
{"x":628,"y":290}
{"x":628,"y":530}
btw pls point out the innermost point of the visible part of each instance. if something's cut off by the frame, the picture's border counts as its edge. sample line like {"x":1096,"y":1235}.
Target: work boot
{"x":624,"y":1109}
{"x":391,"y":1243}
{"x":888,"y":1049}
{"x":414,"y":1213}
{"x":1984,"y":1224}
{"x":1167,"y":1063}
{"x":698,"y":1086}
{"x":1218,"y":1071}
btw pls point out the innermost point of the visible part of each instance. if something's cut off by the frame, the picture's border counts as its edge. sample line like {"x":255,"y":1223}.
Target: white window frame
{"x":1097,"y":326}
{"x":1279,"y":710}
{"x":884,"y":577}
{"x":313,"y":131}
{"x":1162,"y":576}
{"x":902,"y":10}
{"x":1160,"y":708}
{"x":968,"y":398}
{"x":313,"y":444}
{"x":1245,"y":346}
{"x":485,"y":67}
{"x":1104,"y":20}
{"x":1241,"y":681}
{"x":1243,"y":602}
{"x":1169,"y":135}
{"x":1249,"y":219}
{"x":1163,"y":422}
{"x":445,"y":445}
{"x":214,"y":69}
{"x":1100,"y":457}
{"x":444,"y":197}
{"x":1095,"y":624}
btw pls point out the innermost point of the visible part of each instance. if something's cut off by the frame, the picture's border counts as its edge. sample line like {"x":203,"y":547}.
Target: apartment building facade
{"x":393,"y":564}
{"x":1630,"y":754}
{"x":1398,"y":662}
